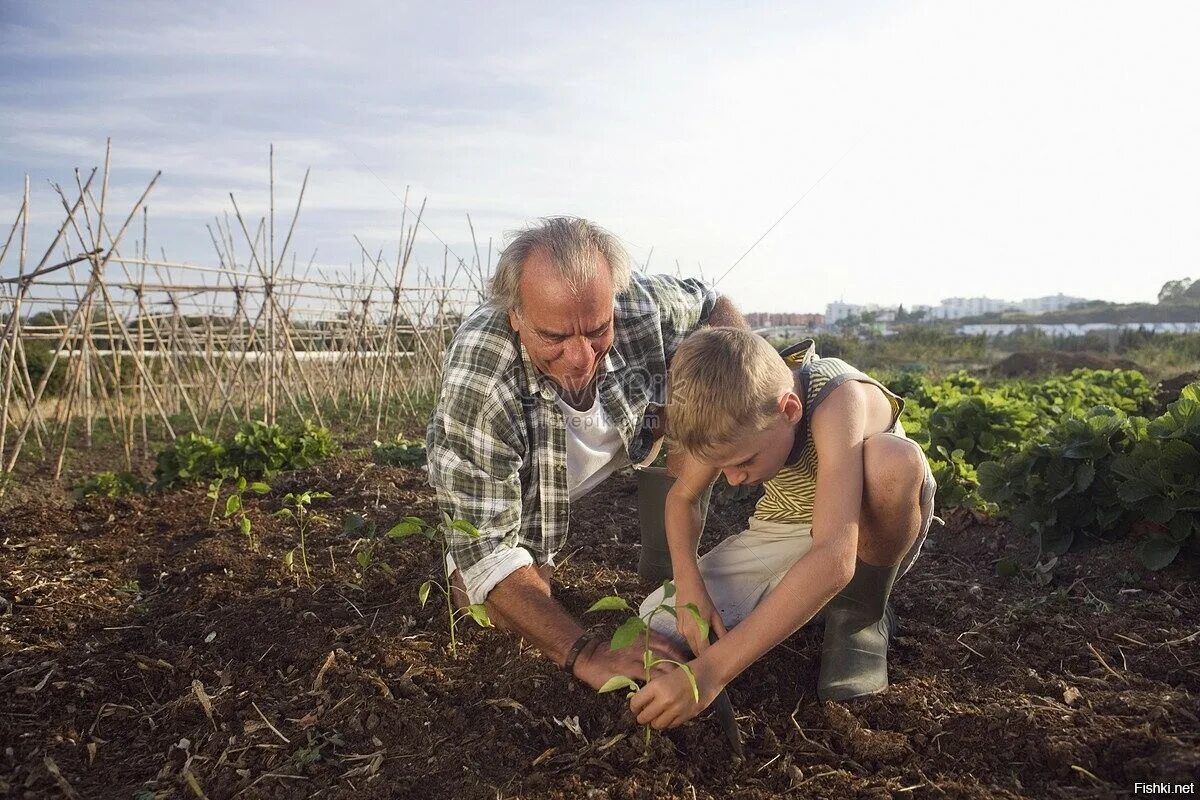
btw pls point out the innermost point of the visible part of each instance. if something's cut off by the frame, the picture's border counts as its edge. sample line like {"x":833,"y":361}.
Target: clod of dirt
{"x":885,"y":747}
{"x":1167,"y":392}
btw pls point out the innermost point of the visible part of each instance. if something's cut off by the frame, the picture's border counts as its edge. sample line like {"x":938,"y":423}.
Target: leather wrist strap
{"x":573,"y":653}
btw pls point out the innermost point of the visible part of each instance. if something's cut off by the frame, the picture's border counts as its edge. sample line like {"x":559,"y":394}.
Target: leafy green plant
{"x":110,"y":484}
{"x":957,"y":481}
{"x":442,"y":535}
{"x":261,"y":449}
{"x":191,"y":457}
{"x":633,"y":627}
{"x":1064,"y":484}
{"x":235,"y":505}
{"x":400,"y":452}
{"x":983,"y":426}
{"x":1158,"y":480}
{"x":296,"y":508}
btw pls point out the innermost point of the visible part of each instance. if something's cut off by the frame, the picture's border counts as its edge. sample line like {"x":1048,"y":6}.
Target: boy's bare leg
{"x":858,"y":621}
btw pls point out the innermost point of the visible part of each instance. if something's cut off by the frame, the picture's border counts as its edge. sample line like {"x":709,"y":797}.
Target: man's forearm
{"x":522,"y":603}
{"x":726,"y":315}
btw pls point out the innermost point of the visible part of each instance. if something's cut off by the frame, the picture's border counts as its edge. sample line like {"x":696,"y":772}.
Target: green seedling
{"x":633,"y":627}
{"x":110,"y":484}
{"x":399,"y":453}
{"x":296,"y":507}
{"x":442,"y":534}
{"x":214,"y":494}
{"x":364,"y":530}
{"x":235,"y":506}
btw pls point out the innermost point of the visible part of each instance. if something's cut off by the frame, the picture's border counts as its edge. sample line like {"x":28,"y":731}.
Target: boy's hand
{"x":694,"y":591}
{"x":667,"y":700}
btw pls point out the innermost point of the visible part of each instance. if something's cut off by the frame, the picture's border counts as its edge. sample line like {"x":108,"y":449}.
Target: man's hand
{"x":601,"y":663}
{"x":667,"y":700}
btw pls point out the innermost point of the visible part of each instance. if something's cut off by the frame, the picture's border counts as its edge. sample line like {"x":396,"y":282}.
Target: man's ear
{"x":791,"y":407}
{"x":513,"y":323}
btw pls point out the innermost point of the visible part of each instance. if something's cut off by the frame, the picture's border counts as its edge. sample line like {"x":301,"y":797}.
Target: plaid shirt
{"x":497,"y":440}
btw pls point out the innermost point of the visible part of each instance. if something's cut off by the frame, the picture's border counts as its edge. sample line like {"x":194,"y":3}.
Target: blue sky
{"x":1008,"y":149}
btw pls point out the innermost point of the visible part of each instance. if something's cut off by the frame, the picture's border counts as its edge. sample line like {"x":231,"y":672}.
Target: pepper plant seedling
{"x":441,"y":534}
{"x":236,"y":507}
{"x":296,"y":506}
{"x":635,"y":626}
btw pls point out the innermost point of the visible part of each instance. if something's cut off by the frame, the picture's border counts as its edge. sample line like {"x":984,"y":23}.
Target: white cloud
{"x":1005,"y":149}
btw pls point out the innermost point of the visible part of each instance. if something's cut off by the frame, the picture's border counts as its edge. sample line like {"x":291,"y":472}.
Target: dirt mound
{"x":1050,"y":361}
{"x":1168,"y":391}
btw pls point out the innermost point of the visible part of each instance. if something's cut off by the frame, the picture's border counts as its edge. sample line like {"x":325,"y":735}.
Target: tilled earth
{"x":146,"y":653}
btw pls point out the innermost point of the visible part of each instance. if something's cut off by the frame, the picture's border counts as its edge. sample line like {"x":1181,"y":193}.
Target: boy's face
{"x":759,"y":457}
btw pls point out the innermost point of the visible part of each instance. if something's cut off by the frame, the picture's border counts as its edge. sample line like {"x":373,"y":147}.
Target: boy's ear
{"x":791,"y":407}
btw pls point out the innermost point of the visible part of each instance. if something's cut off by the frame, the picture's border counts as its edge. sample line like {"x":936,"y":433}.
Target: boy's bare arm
{"x":684,"y":523}
{"x":682,"y":514}
{"x":837,"y":430}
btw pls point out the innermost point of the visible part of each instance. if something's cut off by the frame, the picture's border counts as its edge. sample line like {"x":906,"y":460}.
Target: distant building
{"x":952,"y":308}
{"x":959,"y":307}
{"x":773,"y":319}
{"x":1045,"y":305}
{"x":836,"y":312}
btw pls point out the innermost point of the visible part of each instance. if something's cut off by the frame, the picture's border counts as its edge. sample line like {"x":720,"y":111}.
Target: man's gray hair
{"x":572,"y":244}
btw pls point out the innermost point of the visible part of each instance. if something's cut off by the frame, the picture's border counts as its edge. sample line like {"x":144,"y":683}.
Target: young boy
{"x":831,"y":539}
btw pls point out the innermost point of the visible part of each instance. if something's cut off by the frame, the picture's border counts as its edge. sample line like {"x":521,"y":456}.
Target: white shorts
{"x":741,"y":569}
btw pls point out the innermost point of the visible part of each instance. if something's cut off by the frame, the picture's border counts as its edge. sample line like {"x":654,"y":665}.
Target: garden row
{"x":1082,"y":454}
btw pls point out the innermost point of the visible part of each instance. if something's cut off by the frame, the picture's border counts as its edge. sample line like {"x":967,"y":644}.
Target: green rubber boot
{"x":858,"y":624}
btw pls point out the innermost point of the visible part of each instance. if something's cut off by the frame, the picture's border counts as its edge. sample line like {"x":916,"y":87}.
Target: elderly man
{"x":549,"y":388}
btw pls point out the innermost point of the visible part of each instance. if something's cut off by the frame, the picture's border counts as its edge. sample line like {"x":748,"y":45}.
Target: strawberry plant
{"x":443,"y":535}
{"x":1158,"y":480}
{"x":1064,"y":484}
{"x":633,"y":627}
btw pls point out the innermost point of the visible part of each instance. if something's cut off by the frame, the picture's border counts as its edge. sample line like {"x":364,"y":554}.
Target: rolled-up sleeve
{"x":475,"y":457}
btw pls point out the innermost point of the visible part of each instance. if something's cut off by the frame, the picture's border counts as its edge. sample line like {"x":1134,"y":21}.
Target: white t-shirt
{"x":594,"y":451}
{"x":594,"y":447}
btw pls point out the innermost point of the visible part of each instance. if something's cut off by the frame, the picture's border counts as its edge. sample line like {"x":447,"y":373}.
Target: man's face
{"x":566,"y":334}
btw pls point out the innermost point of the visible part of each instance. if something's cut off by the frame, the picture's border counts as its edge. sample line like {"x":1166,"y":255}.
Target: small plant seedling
{"x":441,"y":534}
{"x":296,"y":507}
{"x":355,"y":524}
{"x":110,"y":484}
{"x":235,"y":506}
{"x":399,"y":453}
{"x":214,"y":494}
{"x":635,"y":626}
{"x":234,"y":503}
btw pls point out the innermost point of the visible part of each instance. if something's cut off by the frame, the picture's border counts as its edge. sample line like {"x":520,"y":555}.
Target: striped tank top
{"x":790,"y":495}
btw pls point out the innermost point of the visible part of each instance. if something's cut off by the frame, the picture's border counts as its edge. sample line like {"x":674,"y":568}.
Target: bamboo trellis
{"x":101,"y":341}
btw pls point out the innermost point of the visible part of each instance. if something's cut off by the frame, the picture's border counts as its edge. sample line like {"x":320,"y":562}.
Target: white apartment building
{"x":1044,"y":305}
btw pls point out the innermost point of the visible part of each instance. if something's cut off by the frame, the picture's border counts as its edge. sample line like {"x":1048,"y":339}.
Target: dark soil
{"x":145,"y":653}
{"x":1167,"y":391}
{"x":1048,"y":362}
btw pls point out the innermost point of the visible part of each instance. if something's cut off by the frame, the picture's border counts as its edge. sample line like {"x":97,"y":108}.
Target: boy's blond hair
{"x":724,"y":384}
